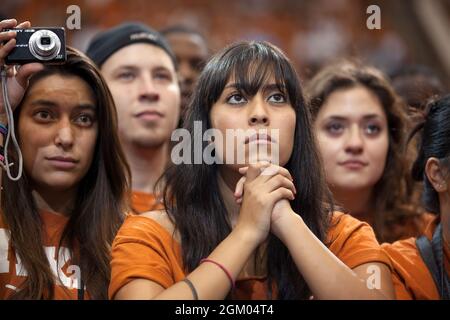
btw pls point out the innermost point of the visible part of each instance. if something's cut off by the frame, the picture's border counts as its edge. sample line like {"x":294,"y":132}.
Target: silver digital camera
{"x":44,"y":45}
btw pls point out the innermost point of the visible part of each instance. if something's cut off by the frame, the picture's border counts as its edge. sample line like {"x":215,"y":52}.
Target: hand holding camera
{"x":21,"y":45}
{"x":45,"y":45}
{"x":17,"y":79}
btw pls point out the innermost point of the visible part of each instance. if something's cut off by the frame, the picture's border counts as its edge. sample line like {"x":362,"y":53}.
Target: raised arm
{"x":17,"y":81}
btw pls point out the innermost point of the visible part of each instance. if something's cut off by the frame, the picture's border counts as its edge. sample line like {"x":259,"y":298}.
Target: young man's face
{"x":144,"y":85}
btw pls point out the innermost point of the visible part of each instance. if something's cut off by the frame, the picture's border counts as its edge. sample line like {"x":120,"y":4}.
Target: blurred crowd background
{"x":312,"y":33}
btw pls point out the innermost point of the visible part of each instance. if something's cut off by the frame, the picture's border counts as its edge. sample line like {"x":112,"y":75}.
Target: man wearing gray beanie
{"x":140,"y":70}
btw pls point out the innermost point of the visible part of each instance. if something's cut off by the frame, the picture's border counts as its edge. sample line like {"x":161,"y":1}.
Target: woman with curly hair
{"x":361,"y":127}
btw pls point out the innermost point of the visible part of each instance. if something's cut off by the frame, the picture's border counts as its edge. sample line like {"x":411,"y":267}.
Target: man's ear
{"x":436,"y":175}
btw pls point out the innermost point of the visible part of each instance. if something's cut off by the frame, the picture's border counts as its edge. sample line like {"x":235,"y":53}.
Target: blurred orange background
{"x":310,"y":32}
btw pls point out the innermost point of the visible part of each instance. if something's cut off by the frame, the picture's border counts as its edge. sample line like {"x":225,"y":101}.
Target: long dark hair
{"x":191,"y":196}
{"x":390,"y":193}
{"x":99,"y":203}
{"x":434,"y":142}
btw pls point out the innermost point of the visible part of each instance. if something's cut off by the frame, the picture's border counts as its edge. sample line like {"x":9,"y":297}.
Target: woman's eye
{"x":85,"y":120}
{"x":236,"y":99}
{"x":373,"y":129}
{"x":277,"y":98}
{"x":43,"y":116}
{"x":334,"y":128}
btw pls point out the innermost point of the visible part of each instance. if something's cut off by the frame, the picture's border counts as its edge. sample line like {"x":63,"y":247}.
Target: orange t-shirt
{"x":411,"y":277}
{"x":143,"y":202}
{"x":12,"y":273}
{"x":144,"y":249}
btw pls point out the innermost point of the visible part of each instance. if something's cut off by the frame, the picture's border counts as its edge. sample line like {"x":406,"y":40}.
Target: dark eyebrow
{"x":371,"y":116}
{"x":43,"y":102}
{"x":366,"y":117}
{"x":133,"y":67}
{"x":86,"y":106}
{"x":51,"y":104}
{"x":267,"y":87}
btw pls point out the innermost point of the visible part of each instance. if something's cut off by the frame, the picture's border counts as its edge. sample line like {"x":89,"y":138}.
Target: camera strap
{"x":11,"y":131}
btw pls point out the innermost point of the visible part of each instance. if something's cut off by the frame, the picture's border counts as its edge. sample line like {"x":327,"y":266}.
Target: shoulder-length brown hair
{"x":391,"y":193}
{"x":99,"y":204}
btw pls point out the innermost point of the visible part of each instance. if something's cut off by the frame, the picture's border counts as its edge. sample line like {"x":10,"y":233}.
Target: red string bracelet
{"x":221,"y":267}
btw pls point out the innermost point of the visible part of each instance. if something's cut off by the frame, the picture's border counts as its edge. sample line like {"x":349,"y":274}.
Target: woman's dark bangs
{"x":251,"y":76}
{"x":251,"y":69}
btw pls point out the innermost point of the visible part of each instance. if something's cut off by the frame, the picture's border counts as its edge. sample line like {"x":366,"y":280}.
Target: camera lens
{"x":45,"y":41}
{"x":44,"y":44}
